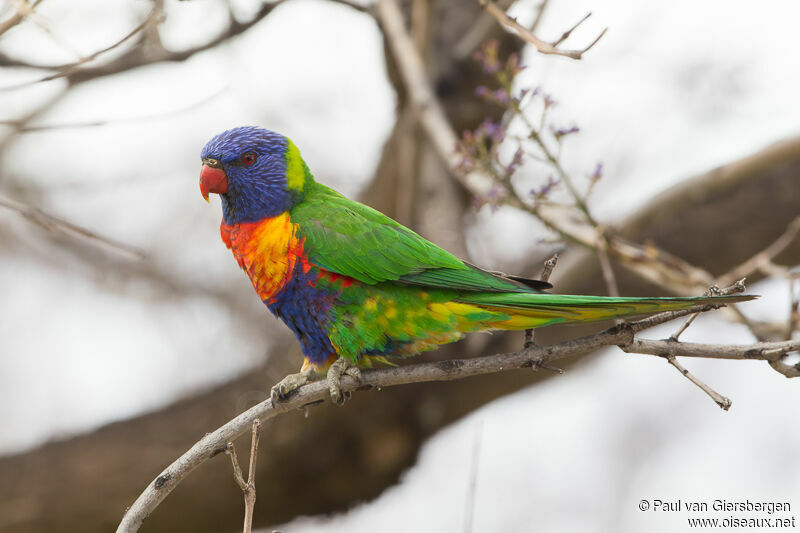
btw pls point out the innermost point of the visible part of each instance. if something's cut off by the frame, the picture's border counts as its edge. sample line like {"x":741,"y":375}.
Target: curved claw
{"x":291,"y":382}
{"x":341,"y":367}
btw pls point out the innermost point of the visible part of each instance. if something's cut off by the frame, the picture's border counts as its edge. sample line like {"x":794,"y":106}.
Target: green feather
{"x":563,"y":308}
{"x":354,"y":240}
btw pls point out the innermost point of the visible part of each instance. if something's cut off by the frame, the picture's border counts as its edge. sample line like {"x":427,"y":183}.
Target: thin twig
{"x":53,"y":223}
{"x":723,"y":401}
{"x":230,"y":450}
{"x":539,"y":15}
{"x":153,"y":17}
{"x":542,"y":46}
{"x":764,"y":256}
{"x":712,"y":291}
{"x":477,"y":34}
{"x":250,"y":494}
{"x":136,"y":57}
{"x":24,"y":9}
{"x":248,"y":487}
{"x":565,"y":178}
{"x":606,"y":268}
{"x":566,"y":34}
{"x":684,"y":327}
{"x":790,"y":371}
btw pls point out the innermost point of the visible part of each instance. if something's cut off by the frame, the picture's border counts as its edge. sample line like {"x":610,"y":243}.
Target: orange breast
{"x":267,"y":250}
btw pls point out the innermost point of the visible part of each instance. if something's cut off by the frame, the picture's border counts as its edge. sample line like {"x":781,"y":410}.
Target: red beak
{"x":212,"y":179}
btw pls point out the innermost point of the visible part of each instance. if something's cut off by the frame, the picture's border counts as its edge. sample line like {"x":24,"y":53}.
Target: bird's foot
{"x":290,"y":383}
{"x":340,"y":367}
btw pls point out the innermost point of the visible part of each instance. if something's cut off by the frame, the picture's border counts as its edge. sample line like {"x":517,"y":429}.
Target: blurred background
{"x":127,"y":330}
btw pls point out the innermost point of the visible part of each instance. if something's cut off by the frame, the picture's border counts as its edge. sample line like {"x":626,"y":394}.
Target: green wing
{"x":354,"y":240}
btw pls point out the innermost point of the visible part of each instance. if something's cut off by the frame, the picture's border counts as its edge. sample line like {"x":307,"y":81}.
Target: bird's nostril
{"x":211,"y":162}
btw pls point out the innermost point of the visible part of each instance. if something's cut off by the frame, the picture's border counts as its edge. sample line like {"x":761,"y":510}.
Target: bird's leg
{"x":290,"y":383}
{"x":341,"y":366}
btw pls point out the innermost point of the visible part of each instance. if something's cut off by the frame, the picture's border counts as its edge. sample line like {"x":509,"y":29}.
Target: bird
{"x":358,"y":288}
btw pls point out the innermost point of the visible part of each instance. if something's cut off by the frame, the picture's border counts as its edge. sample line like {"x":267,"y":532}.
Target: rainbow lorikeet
{"x":354,"y":285}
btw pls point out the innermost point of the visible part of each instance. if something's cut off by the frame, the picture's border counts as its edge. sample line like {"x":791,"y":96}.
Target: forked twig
{"x":249,"y":486}
{"x":542,"y":46}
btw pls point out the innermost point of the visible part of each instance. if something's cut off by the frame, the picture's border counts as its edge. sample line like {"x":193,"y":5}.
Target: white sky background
{"x":672,"y":90}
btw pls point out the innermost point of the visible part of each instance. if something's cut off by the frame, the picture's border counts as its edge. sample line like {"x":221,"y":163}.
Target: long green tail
{"x":528,"y":310}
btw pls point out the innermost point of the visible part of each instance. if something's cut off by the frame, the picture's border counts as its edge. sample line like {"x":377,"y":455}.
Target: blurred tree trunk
{"x":338,"y":456}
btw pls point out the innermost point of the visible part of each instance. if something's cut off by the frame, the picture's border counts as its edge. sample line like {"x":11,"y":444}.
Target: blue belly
{"x":306,"y":310}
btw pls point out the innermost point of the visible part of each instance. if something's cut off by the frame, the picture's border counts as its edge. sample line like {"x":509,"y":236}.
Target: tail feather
{"x":526,"y":310}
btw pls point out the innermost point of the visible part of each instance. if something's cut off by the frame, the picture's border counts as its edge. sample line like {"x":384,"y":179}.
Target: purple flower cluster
{"x":595,"y":176}
{"x":541,"y":193}
{"x":558,"y":133}
{"x":488,"y":57}
{"x":479,"y":148}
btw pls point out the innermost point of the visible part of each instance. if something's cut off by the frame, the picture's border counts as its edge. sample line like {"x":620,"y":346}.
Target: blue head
{"x":258,"y":173}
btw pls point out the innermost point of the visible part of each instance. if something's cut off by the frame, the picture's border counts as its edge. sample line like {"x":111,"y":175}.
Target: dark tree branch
{"x":139,"y":56}
{"x":65,"y":71}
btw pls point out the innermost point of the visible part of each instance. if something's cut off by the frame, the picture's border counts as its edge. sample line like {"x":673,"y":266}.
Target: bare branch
{"x":723,"y":401}
{"x":566,"y":34}
{"x":137,"y":56}
{"x":606,"y":268}
{"x":248,"y":487}
{"x":214,"y":443}
{"x":155,"y":16}
{"x":53,"y":223}
{"x":542,"y":46}
{"x":669,"y":349}
{"x":765,"y":256}
{"x":790,"y":371}
{"x":24,"y":9}
{"x":539,"y":15}
{"x":230,"y":450}
{"x":713,"y":290}
{"x":766,"y":351}
{"x":478,"y":33}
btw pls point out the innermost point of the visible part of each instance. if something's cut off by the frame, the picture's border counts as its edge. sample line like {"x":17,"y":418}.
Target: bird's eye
{"x":248,"y":158}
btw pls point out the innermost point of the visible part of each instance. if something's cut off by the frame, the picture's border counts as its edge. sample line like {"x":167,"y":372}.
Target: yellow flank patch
{"x":462,"y":309}
{"x":296,"y":169}
{"x":439,"y":310}
{"x":522,"y":322}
